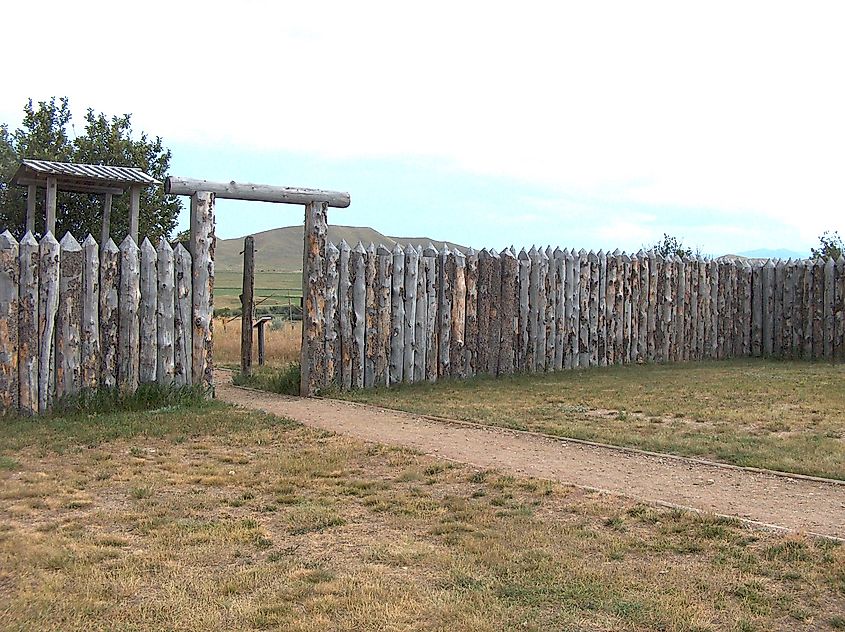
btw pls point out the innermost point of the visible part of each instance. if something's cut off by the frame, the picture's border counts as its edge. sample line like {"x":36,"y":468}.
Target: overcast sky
{"x":577,"y":124}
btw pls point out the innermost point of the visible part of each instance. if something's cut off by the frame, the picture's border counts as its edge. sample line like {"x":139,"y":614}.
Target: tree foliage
{"x":670,"y":245}
{"x":47,"y":134}
{"x":831,"y":246}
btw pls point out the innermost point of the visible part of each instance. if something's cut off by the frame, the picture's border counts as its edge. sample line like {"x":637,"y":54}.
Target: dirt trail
{"x":793,"y":503}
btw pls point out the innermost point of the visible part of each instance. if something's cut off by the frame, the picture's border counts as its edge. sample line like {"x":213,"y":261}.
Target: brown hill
{"x":280,"y":249}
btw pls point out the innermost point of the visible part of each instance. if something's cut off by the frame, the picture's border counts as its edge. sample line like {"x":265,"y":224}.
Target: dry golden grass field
{"x":281,"y":344}
{"x":199,"y":516}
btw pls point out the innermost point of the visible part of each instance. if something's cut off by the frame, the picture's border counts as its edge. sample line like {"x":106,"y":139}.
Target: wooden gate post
{"x":247,"y":305}
{"x":202,"y":252}
{"x":312,"y":355}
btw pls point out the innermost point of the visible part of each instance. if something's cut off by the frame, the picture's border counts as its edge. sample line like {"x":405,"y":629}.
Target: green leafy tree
{"x":670,"y":245}
{"x":831,"y":246}
{"x":45,"y":134}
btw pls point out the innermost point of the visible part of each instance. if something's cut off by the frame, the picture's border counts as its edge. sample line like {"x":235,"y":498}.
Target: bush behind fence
{"x":422,"y":314}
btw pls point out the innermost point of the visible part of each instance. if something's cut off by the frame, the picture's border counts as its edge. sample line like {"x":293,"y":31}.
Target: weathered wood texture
{"x":202,"y":253}
{"x":148,"y":332}
{"x":247,"y":304}
{"x":165,"y":314}
{"x":27,"y":329}
{"x":9,"y":322}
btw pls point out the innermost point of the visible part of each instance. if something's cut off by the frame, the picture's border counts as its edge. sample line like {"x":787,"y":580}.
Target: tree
{"x":831,"y":246}
{"x":670,"y":245}
{"x":45,"y":134}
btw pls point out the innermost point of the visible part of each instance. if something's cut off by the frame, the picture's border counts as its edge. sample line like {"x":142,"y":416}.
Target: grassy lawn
{"x":271,"y":288}
{"x":786,"y":416}
{"x":215,"y":518}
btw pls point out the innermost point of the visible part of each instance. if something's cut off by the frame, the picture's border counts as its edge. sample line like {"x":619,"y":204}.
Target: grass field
{"x":786,"y":416}
{"x":271,"y":288}
{"x":281,"y":343}
{"x":208,"y":517}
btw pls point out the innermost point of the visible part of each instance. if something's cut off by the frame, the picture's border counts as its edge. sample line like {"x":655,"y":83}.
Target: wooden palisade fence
{"x":82,"y":316}
{"x":420,"y":314}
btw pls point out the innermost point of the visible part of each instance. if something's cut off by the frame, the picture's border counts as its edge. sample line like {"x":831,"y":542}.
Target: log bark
{"x":471,"y":333}
{"x":344,"y":307}
{"x":247,"y":304}
{"x":627,"y":312}
{"x":90,"y":332}
{"x":28,"y":325}
{"x":495,"y":312}
{"x":371,"y":316}
{"x":570,"y":291}
{"x":610,"y":309}
{"x":148,"y":356}
{"x":798,"y":313}
{"x":420,"y":322}
{"x":331,"y":323}
{"x":534,"y":310}
{"x":601,"y":326}
{"x":410,"y":339}
{"x":633,"y":357}
{"x":109,"y":313}
{"x":652,"y":311}
{"x":593,"y":307}
{"x":818,"y":310}
{"x":485,"y":282}
{"x":828,"y":307}
{"x":130,"y":300}
{"x":397,"y":316}
{"x":839,"y":298}
{"x":583,"y":309}
{"x":256,"y":192}
{"x":619,"y":310}
{"x":510,"y":312}
{"x":430,"y":263}
{"x":777,"y":319}
{"x":384,"y":283}
{"x":807,"y":309}
{"x":202,"y":254}
{"x":559,"y":263}
{"x":48,"y":305}
{"x":457,"y":280}
{"x":165,"y":315}
{"x":9,"y":314}
{"x":713,"y":338}
{"x":444,"y":313}
{"x":182,"y":328}
{"x":550,"y":318}
{"x":768,"y":308}
{"x":358,"y":268}
{"x":523,"y":326}
{"x":69,"y":319}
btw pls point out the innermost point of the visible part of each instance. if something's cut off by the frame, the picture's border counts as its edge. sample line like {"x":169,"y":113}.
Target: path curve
{"x":811,"y":506}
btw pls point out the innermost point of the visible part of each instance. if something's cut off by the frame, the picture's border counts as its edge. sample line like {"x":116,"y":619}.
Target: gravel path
{"x":802,"y":504}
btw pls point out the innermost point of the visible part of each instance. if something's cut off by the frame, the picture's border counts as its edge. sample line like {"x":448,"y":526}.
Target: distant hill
{"x":774,"y":253}
{"x":280,"y":249}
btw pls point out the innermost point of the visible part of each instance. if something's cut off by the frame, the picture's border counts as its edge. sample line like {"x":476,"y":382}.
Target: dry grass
{"x":281,"y":346}
{"x":219,"y":518}
{"x":778,"y":415}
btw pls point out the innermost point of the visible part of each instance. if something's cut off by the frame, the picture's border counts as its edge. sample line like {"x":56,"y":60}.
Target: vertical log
{"x":135,"y":211}
{"x":798,"y":309}
{"x":421,"y":318}
{"x":523,"y":327}
{"x":634,"y":300}
{"x":509,"y":312}
{"x":610,"y":308}
{"x":619,"y":309}
{"x":247,"y":303}
{"x":703,"y":307}
{"x":344,"y":307}
{"x":9,"y":301}
{"x":165,"y":315}
{"x":485,"y":303}
{"x":471,"y":333}
{"x":757,"y":310}
{"x":839,"y":309}
{"x":495,"y":332}
{"x":384,"y":285}
{"x":147,"y":314}
{"x":109,"y":313}
{"x":457,"y":280}
{"x":50,"y":205}
{"x":31,"y":200}
{"x":90,"y":332}
{"x":48,"y":305}
{"x":412,"y":262}
{"x":182,"y":328}
{"x":777,"y":318}
{"x":583,"y":309}
{"x":788,"y":306}
{"x":626,"y":309}
{"x":28,"y":325}
{"x":652,"y":311}
{"x":828,"y":307}
{"x":560,"y":308}
{"x":601,"y":326}
{"x":713,"y":336}
{"x":130,"y":300}
{"x":818,"y":310}
{"x":360,"y":294}
{"x":105,"y":229}
{"x":768,"y":307}
{"x":444,"y":311}
{"x":642,"y":317}
{"x":397,"y":315}
{"x":331,"y":324}
{"x":371,"y":284}
{"x":807,"y":309}
{"x":533,"y":310}
{"x":593,"y":308}
{"x":666,"y":308}
{"x":69,"y":318}
{"x":430,"y":257}
{"x":550,"y":318}
{"x":202,"y":253}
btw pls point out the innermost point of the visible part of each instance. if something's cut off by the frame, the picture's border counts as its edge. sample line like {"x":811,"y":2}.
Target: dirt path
{"x":801,"y":504}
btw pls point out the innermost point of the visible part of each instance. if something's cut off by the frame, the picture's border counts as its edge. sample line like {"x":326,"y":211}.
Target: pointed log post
{"x":109,"y":313}
{"x":331,"y":322}
{"x":384,"y":283}
{"x":593,"y":307}
{"x":313,"y":360}
{"x":50,"y":205}
{"x":777,"y":318}
{"x":642,"y":317}
{"x":559,"y":263}
{"x":495,"y":333}
{"x":807,"y":310}
{"x":550,"y":319}
{"x":166,"y":314}
{"x":105,"y":228}
{"x":457,"y":279}
{"x":148,"y":333}
{"x":788,"y":307}
{"x":344,"y":307}
{"x":485,"y":282}
{"x":757,"y":310}
{"x":661,"y":334}
{"x":601,"y":322}
{"x":397,"y":316}
{"x":611,"y":272}
{"x":652,"y":311}
{"x":839,"y":309}
{"x":634,"y":300}
{"x":182,"y":327}
{"x":31,"y":200}
{"x":626,"y":309}
{"x":690,"y":311}
{"x":768,"y":308}
{"x":28,"y":325}
{"x":818,"y":310}
{"x":572,"y":285}
{"x":619,"y":308}
{"x":540,"y":353}
{"x":430,"y":257}
{"x":48,"y":305}
{"x":130,"y":301}
{"x":371,"y":316}
{"x":509,"y":312}
{"x":533,"y":310}
{"x":90,"y":341}
{"x":202,"y":308}
{"x":247,"y":304}
{"x":522,"y":354}
{"x":134,"y":210}
{"x":420,"y":320}
{"x":358,"y":269}
{"x":410,"y":299}
{"x":9,"y":321}
{"x":799,"y":308}
{"x":828,"y":308}
{"x":704,"y":307}
{"x":69,"y":318}
{"x":471,"y":333}
{"x":583,"y":309}
{"x":444,"y":312}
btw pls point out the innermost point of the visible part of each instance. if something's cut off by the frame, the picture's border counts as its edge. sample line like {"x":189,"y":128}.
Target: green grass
{"x":210,"y":517}
{"x":779,"y":415}
{"x":284,"y":381}
{"x":272,"y":289}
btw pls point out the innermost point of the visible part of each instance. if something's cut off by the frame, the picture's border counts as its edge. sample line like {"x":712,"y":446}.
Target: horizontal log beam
{"x":255,"y":192}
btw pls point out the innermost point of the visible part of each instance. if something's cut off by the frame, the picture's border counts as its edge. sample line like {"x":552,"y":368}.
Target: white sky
{"x":738,"y":107}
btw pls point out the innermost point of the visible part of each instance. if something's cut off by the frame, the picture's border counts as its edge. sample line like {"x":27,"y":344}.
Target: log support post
{"x":134,"y":210}
{"x":50,"y":206}
{"x":247,"y":305}
{"x":312,"y":359}
{"x":202,"y":252}
{"x":106,"y":228}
